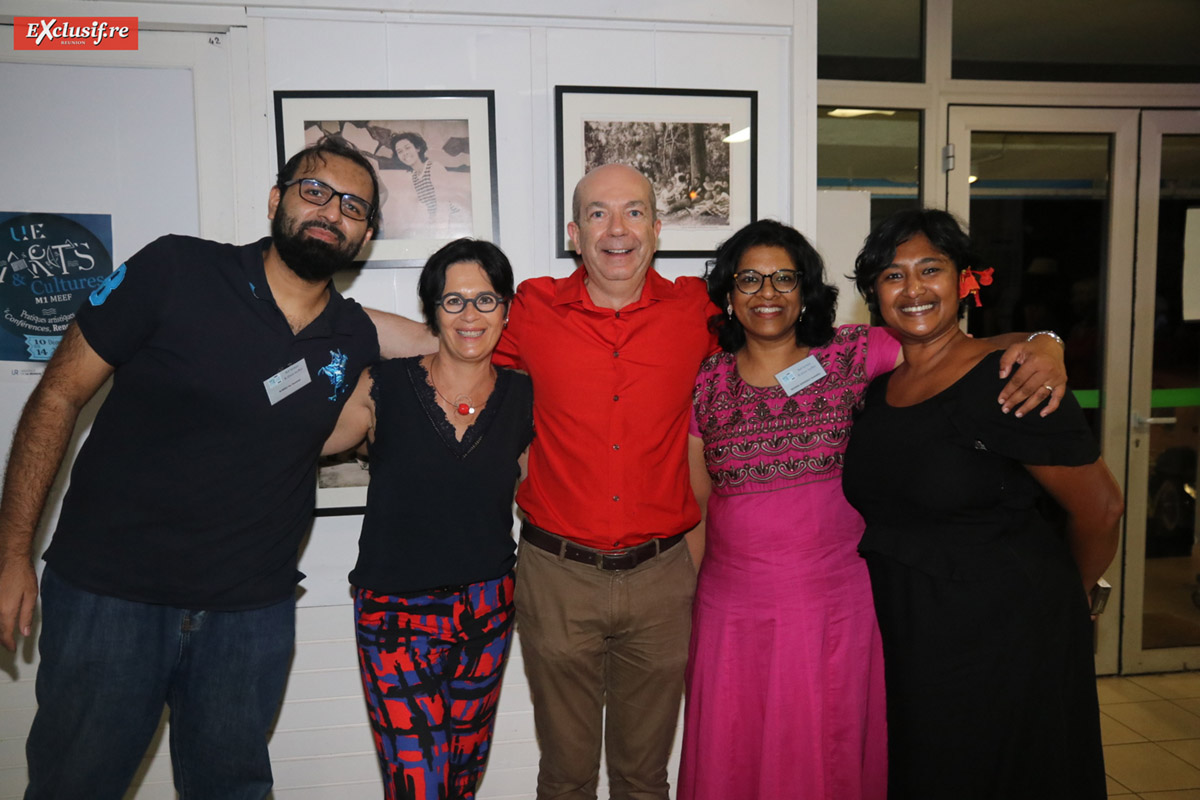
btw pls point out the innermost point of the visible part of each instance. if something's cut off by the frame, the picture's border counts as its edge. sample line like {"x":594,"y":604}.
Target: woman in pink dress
{"x":785,"y":683}
{"x":785,"y":675}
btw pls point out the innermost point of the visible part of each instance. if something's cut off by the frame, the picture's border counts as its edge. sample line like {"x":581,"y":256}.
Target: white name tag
{"x":800,"y":374}
{"x":288,"y":380}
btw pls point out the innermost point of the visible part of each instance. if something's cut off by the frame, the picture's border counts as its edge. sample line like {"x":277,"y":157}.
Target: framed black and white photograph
{"x":698,"y":148}
{"x":342,"y":484}
{"x":434,"y":152}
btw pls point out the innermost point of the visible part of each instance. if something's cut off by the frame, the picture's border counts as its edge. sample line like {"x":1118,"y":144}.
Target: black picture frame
{"x":643,"y":127}
{"x":458,"y":128}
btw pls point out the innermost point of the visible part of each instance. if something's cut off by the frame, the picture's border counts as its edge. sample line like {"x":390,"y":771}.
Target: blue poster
{"x":48,"y":265}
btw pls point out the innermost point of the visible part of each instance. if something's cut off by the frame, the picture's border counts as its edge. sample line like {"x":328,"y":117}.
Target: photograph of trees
{"x":686,"y":162}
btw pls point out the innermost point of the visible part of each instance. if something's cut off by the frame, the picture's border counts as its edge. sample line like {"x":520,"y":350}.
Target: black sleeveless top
{"x":439,"y":511}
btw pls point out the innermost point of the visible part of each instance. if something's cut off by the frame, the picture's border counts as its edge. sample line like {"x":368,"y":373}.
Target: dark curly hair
{"x":332,"y":146}
{"x":432,"y":281}
{"x":817,"y":298}
{"x":879,"y":249}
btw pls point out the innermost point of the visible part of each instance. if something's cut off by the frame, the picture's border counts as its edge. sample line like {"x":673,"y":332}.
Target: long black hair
{"x":817,"y":298}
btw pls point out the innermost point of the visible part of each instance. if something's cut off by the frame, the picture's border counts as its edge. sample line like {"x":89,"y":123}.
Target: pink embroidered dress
{"x":785,"y":692}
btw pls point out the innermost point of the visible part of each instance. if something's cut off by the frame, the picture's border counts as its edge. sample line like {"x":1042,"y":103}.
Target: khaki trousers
{"x":592,"y":638}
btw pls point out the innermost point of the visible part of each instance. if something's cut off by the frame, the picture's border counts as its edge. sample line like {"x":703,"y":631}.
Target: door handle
{"x":1142,"y":424}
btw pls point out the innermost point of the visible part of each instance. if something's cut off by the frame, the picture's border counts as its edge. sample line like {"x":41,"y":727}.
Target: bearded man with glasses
{"x":171,"y":575}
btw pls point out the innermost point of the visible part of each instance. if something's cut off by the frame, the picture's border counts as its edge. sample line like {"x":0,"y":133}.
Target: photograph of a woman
{"x":424,"y":169}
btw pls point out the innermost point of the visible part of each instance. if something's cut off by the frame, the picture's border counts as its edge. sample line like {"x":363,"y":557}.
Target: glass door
{"x":1162,"y":561}
{"x":1049,"y":194}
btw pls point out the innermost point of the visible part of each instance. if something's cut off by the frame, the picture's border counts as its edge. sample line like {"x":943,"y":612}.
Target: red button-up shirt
{"x":612,"y":394}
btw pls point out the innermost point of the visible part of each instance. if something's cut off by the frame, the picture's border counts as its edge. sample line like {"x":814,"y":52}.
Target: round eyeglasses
{"x":319,"y":193}
{"x":749,"y":282}
{"x":484,"y":303}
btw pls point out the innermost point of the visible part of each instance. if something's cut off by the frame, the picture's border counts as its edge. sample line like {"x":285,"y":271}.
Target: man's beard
{"x":311,"y":259}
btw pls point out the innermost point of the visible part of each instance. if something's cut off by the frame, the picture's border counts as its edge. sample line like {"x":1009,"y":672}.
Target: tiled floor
{"x":1151,"y":727}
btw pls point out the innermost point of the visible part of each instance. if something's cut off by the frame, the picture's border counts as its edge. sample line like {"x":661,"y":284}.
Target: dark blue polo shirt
{"x":193,"y":489}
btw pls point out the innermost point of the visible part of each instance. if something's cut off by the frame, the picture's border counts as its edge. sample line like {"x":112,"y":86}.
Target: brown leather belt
{"x":625,"y":558}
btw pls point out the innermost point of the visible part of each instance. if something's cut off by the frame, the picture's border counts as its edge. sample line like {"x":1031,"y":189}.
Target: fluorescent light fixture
{"x":860,"y":112}
{"x":738,"y":136}
{"x":972,"y":178}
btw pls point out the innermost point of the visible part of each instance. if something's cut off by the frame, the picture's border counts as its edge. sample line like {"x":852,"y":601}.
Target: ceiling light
{"x":859,"y":112}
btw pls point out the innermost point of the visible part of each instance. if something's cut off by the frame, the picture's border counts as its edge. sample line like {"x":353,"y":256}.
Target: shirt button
{"x":616,"y":397}
{"x":616,"y":498}
{"x":616,"y":447}
{"x":615,"y":354}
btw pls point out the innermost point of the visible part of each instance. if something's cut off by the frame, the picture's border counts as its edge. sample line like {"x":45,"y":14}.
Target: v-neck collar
{"x":426,"y":395}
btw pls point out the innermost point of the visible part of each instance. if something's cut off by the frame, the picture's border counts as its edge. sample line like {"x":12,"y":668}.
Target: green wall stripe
{"x":1159,"y":398}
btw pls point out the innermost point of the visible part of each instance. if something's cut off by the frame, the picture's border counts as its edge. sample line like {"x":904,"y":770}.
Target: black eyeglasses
{"x":455,"y":303}
{"x":319,"y":193}
{"x":749,"y":282}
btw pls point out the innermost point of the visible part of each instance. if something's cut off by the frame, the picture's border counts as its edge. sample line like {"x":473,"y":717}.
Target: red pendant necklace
{"x":462,"y":403}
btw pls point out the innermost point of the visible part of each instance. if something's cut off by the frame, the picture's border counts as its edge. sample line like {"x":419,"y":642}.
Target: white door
{"x":1049,"y":194}
{"x":1161,"y":628}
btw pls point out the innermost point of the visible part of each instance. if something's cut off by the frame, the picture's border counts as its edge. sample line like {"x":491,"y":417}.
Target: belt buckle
{"x":616,"y":558}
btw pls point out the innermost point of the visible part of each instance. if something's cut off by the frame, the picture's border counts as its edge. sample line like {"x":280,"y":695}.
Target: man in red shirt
{"x":604,"y":591}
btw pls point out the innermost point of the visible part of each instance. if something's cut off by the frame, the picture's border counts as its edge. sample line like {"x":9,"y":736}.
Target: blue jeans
{"x":107,"y":668}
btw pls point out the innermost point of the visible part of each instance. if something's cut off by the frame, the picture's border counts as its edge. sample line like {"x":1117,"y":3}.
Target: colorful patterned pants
{"x":431,"y":667}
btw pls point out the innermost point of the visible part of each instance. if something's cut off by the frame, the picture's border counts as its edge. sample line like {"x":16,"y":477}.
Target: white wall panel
{"x":325,"y":54}
{"x":335,"y":682}
{"x":342,"y":791}
{"x":330,"y":552}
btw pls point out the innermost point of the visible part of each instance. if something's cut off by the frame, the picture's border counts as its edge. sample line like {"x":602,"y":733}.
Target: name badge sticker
{"x":804,"y":372}
{"x":287,"y":381}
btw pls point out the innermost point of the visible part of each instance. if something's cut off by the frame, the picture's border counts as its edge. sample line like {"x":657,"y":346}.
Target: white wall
{"x":322,"y":745}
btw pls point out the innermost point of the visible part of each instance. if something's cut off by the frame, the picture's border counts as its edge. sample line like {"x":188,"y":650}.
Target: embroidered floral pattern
{"x":755,"y":436}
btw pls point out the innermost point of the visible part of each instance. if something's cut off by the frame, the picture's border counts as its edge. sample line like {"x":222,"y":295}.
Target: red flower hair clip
{"x":970,"y":281}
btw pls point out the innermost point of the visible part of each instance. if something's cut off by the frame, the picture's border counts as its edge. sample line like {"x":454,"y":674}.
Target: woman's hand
{"x":1043,"y":376}
{"x":356,"y":420}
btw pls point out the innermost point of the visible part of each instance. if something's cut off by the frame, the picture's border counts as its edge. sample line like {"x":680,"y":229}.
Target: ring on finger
{"x":1049,"y":388}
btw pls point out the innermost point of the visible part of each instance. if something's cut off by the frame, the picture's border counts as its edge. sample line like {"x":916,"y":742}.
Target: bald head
{"x":610,"y":172}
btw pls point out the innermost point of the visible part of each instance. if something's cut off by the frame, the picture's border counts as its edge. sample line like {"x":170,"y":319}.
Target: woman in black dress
{"x":434,"y":582}
{"x":982,"y":604}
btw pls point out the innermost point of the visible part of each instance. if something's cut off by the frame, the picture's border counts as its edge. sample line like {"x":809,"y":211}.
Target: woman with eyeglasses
{"x":433,"y":585}
{"x":785,"y":683}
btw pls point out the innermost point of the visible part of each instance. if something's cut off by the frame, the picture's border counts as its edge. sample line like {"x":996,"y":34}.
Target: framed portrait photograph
{"x":698,"y":148}
{"x":434,"y":152}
